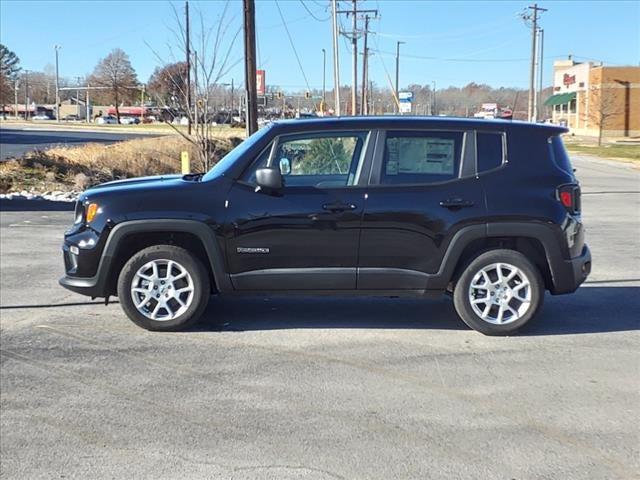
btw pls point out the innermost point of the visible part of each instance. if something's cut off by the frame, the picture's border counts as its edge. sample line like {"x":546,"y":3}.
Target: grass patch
{"x":627,"y":152}
{"x":77,"y":168}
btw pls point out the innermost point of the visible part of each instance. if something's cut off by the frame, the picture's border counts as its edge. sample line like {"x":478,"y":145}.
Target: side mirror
{"x":269,"y":178}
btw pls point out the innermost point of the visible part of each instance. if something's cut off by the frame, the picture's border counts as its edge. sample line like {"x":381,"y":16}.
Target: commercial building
{"x":588,"y":97}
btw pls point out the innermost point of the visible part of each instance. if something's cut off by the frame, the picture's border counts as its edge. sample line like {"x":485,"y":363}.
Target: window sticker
{"x":392,"y":167}
{"x":420,"y":155}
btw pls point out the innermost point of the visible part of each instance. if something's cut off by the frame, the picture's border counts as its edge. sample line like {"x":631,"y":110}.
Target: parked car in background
{"x":106,"y":120}
{"x":41,"y":116}
{"x":129,"y":120}
{"x":369,"y":206}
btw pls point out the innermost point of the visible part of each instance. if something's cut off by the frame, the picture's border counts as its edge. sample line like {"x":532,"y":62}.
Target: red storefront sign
{"x":260,"y":82}
{"x":568,"y":79}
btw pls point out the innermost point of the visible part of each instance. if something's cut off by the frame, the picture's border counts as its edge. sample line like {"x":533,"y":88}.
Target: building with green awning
{"x":560,"y":99}
{"x":596,"y":100}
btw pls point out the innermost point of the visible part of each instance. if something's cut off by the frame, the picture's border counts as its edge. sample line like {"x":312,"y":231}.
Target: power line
{"x":443,"y":59}
{"x":284,"y":24}
{"x":312,"y":14}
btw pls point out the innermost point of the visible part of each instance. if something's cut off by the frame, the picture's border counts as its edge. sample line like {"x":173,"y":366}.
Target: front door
{"x":304,"y":237}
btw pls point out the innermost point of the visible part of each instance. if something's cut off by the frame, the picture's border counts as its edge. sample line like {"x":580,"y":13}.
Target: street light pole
{"x":324,"y":79}
{"x":336,"y":62}
{"x":57,"y":48}
{"x":398,"y":43}
{"x":435,"y":110}
{"x":540,"y":75}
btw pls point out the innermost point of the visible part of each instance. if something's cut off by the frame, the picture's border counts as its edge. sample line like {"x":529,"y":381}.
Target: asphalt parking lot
{"x":323,"y":388}
{"x":15,"y":141}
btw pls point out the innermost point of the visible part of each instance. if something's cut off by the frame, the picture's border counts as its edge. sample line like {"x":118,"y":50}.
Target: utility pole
{"x":336,"y":63}
{"x":532,"y":74}
{"x":57,"y":48}
{"x":26,"y":94}
{"x":354,"y":45}
{"x":540,"y":76}
{"x":188,"y":55}
{"x":78,"y":97}
{"x":88,"y":112}
{"x":231,"y":101}
{"x":363,"y":101}
{"x":354,"y":41}
{"x":398,"y":73}
{"x":15,"y":97}
{"x":324,"y":80}
{"x":142,"y":104}
{"x":250,"y":66}
{"x":196,"y":113}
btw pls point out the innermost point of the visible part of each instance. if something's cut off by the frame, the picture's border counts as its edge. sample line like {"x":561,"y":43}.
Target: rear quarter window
{"x":489,"y":150}
{"x":559,"y":154}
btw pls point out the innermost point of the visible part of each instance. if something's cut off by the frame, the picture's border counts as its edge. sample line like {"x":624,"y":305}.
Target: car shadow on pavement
{"x":24,"y":205}
{"x":590,"y":310}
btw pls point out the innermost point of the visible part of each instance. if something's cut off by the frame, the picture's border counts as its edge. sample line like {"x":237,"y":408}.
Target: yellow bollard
{"x":184,"y":158}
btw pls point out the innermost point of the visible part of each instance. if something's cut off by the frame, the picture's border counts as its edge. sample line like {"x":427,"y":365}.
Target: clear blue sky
{"x":451,"y":33}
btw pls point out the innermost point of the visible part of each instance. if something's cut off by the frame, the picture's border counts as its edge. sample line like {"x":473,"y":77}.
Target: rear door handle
{"x":456,"y":203}
{"x":338,"y":207}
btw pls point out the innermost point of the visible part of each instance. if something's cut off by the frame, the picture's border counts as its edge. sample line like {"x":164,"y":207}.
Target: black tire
{"x":194,"y":267}
{"x":462,"y":300}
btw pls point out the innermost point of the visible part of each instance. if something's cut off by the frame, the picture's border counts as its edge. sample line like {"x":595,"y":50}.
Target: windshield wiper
{"x":193,"y":177}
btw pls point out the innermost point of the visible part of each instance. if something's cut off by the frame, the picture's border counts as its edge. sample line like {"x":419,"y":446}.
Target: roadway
{"x":323,"y":388}
{"x":16,"y":141}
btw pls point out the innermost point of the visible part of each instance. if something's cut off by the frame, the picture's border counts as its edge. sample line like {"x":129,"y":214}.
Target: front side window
{"x":421,"y":157}
{"x":320,"y":160}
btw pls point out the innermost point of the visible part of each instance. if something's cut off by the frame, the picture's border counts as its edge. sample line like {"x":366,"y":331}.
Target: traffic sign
{"x":405,"y":96}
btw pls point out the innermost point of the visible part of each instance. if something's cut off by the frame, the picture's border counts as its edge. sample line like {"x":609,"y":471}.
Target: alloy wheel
{"x":162,"y":290}
{"x":500,"y":293}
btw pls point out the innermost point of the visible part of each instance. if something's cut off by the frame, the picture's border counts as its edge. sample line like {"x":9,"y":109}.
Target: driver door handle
{"x":339,"y":207}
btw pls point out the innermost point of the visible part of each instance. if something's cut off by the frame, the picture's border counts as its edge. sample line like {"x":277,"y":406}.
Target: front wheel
{"x":498,"y":292}
{"x":163,"y":288}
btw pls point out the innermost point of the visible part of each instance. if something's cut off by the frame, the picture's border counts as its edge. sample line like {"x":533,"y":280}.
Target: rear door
{"x":423,"y":190}
{"x":304,"y":237}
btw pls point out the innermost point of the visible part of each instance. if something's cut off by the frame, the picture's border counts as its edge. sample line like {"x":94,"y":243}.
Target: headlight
{"x":92,"y":211}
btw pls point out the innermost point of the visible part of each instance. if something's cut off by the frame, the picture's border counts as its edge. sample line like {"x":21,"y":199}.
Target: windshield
{"x":230,"y":158}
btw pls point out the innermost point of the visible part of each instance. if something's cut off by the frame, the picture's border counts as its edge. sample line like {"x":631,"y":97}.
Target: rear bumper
{"x":572,"y":273}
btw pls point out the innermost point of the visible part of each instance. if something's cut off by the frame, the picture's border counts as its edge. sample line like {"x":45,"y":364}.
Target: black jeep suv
{"x":486,"y":210}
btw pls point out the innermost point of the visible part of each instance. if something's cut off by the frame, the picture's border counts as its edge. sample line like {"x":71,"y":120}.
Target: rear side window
{"x":560,"y":155}
{"x":490,"y":150}
{"x":421,"y":157}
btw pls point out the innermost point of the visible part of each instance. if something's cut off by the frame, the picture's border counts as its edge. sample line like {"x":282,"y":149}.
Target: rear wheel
{"x":163,"y":288}
{"x":498,"y":292}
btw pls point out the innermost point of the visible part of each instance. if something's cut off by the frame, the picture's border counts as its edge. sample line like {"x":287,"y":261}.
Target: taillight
{"x":569,"y":196}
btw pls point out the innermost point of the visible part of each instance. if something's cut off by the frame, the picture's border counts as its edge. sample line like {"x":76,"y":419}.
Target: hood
{"x":136,"y":185}
{"x":137,"y":181}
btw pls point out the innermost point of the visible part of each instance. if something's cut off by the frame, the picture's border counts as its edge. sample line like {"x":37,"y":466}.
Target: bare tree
{"x":167,"y":83}
{"x":212,"y":46}
{"x":602,"y":107}
{"x":115,"y":72}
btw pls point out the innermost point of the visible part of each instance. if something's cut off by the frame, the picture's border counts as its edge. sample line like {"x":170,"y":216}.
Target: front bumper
{"x":569,"y":276}
{"x":84,"y":286}
{"x":82,"y":259}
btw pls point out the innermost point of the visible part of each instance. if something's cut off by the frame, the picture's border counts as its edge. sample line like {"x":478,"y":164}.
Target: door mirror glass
{"x":269,"y":178}
{"x":285,"y":166}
